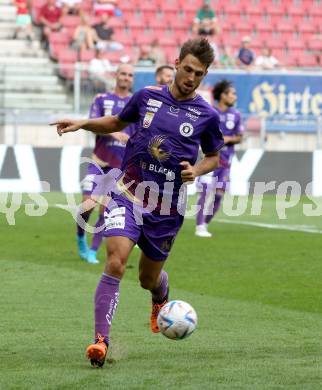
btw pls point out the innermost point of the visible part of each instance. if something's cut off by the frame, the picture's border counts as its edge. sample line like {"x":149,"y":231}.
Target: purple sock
{"x":106,"y":300}
{"x":97,"y":237}
{"x":85,"y":215}
{"x":200,"y":218}
{"x":159,"y":294}
{"x":217,"y":203}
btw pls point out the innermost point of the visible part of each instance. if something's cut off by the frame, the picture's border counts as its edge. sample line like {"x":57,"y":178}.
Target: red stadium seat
{"x":285,"y":25}
{"x":116,"y":22}
{"x":169,"y":6}
{"x":87,"y":55}
{"x":67,"y":56}
{"x":70,"y":21}
{"x":136,"y":22}
{"x":275,"y":9}
{"x":168,"y":40}
{"x":315,"y":44}
{"x":127,"y":6}
{"x":315,"y":9}
{"x":307,"y":60}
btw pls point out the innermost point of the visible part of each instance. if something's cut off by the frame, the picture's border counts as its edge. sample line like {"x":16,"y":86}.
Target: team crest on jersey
{"x":186,"y":129}
{"x":230,"y":125}
{"x":148,"y":118}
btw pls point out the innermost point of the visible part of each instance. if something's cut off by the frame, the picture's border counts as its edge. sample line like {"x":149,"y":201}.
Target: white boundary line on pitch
{"x":296,"y":228}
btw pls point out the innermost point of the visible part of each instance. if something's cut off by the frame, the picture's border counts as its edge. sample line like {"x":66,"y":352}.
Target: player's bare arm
{"x":103,"y":125}
{"x":209,"y":163}
{"x":233,"y":139}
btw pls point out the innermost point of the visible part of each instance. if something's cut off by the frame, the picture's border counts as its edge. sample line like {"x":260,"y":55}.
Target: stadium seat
{"x":275,"y":9}
{"x":70,"y":21}
{"x":67,"y":56}
{"x":315,"y":9}
{"x":116,"y":22}
{"x":315,"y":44}
{"x":87,"y":55}
{"x":128,"y":6}
{"x":169,"y":7}
{"x":307,"y":60}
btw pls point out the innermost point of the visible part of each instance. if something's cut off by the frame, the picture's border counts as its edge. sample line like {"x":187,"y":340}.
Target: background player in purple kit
{"x":171,"y":123}
{"x":108,"y":153}
{"x":164,"y":74}
{"x":213,"y":184}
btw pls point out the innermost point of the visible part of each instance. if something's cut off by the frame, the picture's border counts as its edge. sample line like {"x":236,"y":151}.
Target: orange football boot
{"x":156,"y":307}
{"x":96,"y":352}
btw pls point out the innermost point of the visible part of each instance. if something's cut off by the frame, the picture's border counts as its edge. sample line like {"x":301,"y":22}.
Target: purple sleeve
{"x":131,"y":112}
{"x":97,"y":109}
{"x":239,"y":128}
{"x":212,"y":139}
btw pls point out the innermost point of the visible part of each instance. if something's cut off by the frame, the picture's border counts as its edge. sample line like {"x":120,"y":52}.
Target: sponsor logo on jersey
{"x":192,"y":116}
{"x":194,"y":110}
{"x":154,"y":103}
{"x":174,"y":111}
{"x":186,"y":129}
{"x":121,"y":103}
{"x":147,"y":120}
{"x":152,"y":109}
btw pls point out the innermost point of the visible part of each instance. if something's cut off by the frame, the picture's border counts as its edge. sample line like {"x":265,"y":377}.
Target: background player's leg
{"x":84,"y":212}
{"x":205,"y":202}
{"x":98,"y":233}
{"x":216,"y":205}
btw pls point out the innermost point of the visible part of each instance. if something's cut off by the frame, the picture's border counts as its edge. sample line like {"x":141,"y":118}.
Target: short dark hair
{"x":221,"y":87}
{"x":162,"y":67}
{"x":199,"y":48}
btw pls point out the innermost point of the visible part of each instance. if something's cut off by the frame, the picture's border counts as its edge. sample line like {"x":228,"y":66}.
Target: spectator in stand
{"x":85,"y":36}
{"x":100,"y":71}
{"x":23,"y":20}
{"x":50,"y":17}
{"x":70,"y":7}
{"x":205,"y":22}
{"x":226,"y":59}
{"x":156,"y":53}
{"x":164,"y":75}
{"x":105,"y":35}
{"x":104,"y":7}
{"x":245,"y":57}
{"x":266,"y":61}
{"x":145,"y":58}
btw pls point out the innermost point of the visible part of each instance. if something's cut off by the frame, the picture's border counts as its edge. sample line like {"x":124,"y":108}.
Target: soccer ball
{"x":177,"y":320}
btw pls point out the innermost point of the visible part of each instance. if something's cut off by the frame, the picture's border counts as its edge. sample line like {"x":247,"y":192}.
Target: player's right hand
{"x":67,"y":126}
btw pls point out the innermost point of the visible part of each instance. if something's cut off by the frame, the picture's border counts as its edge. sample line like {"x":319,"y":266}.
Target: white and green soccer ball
{"x":177,"y":320}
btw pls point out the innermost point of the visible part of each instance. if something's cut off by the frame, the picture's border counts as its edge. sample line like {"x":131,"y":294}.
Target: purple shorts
{"x":93,"y":179}
{"x":217,"y":179}
{"x":154,"y":233}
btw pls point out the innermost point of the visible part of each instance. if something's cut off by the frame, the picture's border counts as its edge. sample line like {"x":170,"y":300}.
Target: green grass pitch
{"x":257,"y":292}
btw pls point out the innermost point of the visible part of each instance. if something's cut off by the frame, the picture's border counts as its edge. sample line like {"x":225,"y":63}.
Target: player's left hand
{"x":188,"y":173}
{"x":121,"y":137}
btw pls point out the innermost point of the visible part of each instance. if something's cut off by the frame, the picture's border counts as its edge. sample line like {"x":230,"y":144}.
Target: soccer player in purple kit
{"x":108,"y":153}
{"x":213,"y":185}
{"x":171,"y":123}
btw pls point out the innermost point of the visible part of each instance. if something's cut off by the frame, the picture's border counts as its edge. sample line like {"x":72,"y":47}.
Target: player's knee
{"x":115,"y":267}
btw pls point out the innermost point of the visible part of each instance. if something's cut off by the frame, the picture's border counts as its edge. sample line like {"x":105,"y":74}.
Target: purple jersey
{"x":230,"y":124}
{"x":107,"y":148}
{"x":167,"y":131}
